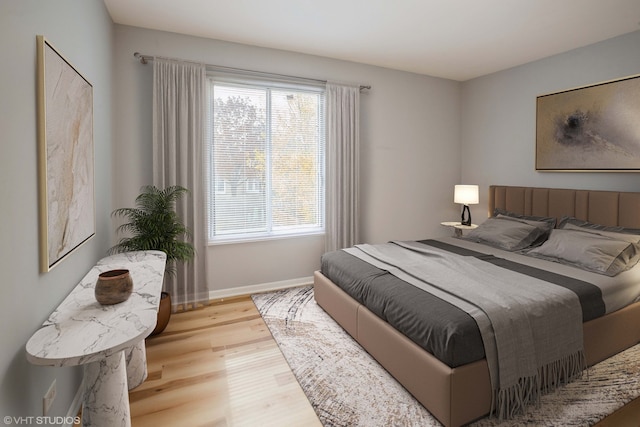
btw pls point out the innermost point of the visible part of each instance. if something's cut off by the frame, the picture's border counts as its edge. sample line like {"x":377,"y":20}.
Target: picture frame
{"x":65,"y":156}
{"x":593,"y":128}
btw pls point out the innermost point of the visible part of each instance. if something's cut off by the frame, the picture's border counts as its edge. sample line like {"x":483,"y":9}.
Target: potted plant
{"x":154,"y":225}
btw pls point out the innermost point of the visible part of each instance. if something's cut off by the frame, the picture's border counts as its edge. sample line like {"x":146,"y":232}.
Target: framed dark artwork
{"x":592,"y":128}
{"x":65,"y":156}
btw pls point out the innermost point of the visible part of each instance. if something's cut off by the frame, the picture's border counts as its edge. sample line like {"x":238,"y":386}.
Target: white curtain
{"x":342,"y":165}
{"x":178,"y":159}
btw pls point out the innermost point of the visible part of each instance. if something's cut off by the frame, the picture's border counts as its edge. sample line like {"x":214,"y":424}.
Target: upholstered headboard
{"x":599,"y":207}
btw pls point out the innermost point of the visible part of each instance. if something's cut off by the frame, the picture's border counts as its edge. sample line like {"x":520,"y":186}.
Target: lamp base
{"x":465,"y":220}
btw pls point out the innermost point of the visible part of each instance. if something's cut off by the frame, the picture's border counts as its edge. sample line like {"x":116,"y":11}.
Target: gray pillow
{"x":631,"y":238}
{"x":588,"y":251}
{"x":547,"y":219}
{"x":509,"y":233}
{"x":589,"y":226}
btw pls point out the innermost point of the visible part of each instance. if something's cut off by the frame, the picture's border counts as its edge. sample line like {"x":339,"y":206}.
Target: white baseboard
{"x":262,"y":287}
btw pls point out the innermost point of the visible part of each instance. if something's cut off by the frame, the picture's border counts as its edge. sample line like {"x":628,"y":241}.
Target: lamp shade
{"x":466,"y":194}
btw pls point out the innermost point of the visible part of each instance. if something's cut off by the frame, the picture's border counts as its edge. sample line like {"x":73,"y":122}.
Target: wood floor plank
{"x":219,"y":366}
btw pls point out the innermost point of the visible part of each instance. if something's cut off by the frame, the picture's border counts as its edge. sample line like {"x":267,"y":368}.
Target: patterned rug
{"x":347,"y":387}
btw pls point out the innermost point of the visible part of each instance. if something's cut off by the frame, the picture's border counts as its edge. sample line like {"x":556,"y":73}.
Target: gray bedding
{"x":447,"y":332}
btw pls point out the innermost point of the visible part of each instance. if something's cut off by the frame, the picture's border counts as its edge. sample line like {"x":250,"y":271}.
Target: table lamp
{"x":466,"y":195}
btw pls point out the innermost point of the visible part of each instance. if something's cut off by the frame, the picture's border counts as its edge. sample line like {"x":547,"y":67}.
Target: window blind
{"x":265,"y":160}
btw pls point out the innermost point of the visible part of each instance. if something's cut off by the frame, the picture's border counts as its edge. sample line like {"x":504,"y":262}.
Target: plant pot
{"x":164,"y":313}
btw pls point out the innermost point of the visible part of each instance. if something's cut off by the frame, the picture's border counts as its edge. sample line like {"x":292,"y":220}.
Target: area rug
{"x":347,"y":387}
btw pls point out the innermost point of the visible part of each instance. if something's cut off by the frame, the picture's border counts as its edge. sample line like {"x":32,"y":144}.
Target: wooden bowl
{"x":113,"y":287}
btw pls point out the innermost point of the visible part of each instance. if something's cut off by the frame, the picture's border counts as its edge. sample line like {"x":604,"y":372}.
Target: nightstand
{"x":458,"y":228}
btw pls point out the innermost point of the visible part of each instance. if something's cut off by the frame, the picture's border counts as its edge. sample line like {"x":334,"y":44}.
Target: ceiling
{"x":454,"y":39}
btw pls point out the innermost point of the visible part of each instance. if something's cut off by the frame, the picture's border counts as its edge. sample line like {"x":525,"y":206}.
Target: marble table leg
{"x":136,"y":357}
{"x":106,"y":397}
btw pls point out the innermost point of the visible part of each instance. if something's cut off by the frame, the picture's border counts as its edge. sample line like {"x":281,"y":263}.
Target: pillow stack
{"x":591,"y":247}
{"x":512,"y":232}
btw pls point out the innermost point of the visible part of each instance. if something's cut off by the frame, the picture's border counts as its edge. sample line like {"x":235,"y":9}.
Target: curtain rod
{"x":144,"y":59}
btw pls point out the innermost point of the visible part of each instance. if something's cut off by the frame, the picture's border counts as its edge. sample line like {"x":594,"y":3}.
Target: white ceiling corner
{"x":454,"y":39}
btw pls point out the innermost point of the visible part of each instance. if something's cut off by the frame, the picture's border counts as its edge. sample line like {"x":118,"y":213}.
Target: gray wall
{"x":83,"y":32}
{"x":409,"y":155}
{"x":498,"y":122}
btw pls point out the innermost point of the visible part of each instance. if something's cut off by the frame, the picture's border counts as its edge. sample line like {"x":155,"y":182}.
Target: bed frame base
{"x":455,"y":396}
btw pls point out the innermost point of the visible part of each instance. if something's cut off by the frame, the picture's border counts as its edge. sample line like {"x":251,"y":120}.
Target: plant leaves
{"x":154,"y":225}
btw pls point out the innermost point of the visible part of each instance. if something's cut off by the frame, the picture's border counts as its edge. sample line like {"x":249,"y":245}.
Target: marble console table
{"x":107,"y":340}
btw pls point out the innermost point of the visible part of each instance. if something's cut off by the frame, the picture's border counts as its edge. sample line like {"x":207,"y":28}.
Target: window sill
{"x":254,"y":239}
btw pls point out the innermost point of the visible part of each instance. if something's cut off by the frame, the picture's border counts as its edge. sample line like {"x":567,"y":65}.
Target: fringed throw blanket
{"x":531,"y":329}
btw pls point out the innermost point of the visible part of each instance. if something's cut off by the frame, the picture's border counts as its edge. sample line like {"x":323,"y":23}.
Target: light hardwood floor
{"x":219,"y":366}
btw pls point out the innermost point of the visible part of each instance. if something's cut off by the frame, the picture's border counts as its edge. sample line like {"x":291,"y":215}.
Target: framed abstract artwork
{"x":65,"y":156}
{"x":593,"y":128}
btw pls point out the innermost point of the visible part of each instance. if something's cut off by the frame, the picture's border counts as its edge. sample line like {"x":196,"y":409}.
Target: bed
{"x":460,"y":390}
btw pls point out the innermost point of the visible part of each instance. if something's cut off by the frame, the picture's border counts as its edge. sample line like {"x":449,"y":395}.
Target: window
{"x":265,"y":160}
